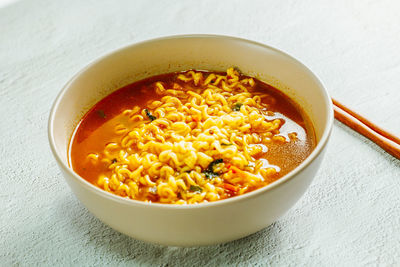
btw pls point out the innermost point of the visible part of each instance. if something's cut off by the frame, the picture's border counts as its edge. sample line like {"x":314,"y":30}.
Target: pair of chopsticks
{"x":389,"y":142}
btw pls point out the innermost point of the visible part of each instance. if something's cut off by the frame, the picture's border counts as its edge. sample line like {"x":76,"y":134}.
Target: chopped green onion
{"x":236,"y":107}
{"x":101,"y":113}
{"x":195,"y":188}
{"x":209,"y":172}
{"x":223,"y":144}
{"x":149,"y":115}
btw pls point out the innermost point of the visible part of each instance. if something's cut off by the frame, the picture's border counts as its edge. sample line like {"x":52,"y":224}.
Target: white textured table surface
{"x":349,"y":216}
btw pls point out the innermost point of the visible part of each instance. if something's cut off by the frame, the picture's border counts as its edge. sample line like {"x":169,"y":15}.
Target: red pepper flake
{"x":101,"y":113}
{"x":230,"y":187}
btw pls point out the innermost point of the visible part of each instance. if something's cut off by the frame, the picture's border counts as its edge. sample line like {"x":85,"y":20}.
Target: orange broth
{"x":96,"y":128}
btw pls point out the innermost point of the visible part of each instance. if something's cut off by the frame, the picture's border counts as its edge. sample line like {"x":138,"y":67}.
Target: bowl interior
{"x":179,"y":53}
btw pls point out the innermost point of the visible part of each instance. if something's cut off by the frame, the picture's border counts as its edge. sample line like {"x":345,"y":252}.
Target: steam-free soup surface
{"x":190,"y":137}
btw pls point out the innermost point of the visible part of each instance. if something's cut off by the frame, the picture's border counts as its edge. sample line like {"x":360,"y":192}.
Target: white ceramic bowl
{"x":206,"y":223}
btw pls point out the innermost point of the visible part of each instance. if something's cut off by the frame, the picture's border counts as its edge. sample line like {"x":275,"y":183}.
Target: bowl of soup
{"x":191,"y":140}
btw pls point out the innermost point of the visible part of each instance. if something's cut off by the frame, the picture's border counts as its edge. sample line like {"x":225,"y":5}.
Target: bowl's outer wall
{"x":205,"y":224}
{"x":200,"y":226}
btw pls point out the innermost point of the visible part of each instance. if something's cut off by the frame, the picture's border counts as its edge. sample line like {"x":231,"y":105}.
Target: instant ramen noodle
{"x":190,"y":137}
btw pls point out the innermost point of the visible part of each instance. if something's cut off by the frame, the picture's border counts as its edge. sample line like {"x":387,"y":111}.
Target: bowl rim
{"x":132,"y":202}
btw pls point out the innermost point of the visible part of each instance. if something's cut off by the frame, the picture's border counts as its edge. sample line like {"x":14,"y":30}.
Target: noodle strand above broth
{"x":190,"y":137}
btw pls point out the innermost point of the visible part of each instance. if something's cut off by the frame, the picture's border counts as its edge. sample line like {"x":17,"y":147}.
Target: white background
{"x":349,"y":216}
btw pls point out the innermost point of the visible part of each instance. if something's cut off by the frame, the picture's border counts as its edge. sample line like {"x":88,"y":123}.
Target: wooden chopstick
{"x":389,"y":142}
{"x":368,"y":123}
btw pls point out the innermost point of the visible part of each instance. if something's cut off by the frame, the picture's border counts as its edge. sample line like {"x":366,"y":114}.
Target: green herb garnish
{"x":195,"y":188}
{"x":236,"y":106}
{"x":209,"y":172}
{"x":223,"y":144}
{"x":101,"y":113}
{"x":151,"y":117}
{"x":213,"y":163}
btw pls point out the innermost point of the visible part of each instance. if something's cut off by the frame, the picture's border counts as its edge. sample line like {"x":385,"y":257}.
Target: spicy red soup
{"x":190,"y":137}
